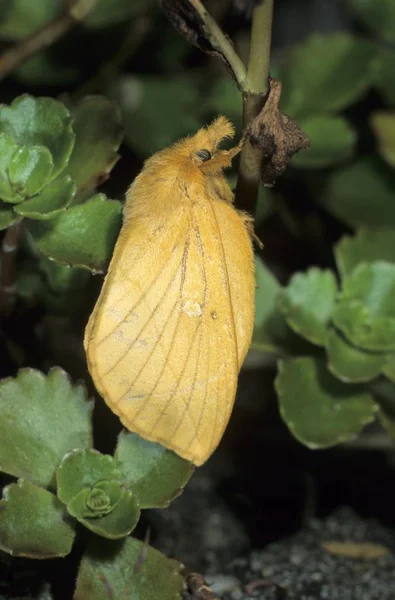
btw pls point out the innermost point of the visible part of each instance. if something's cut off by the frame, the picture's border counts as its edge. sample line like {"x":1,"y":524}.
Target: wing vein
{"x":151,"y":316}
{"x":141,"y":298}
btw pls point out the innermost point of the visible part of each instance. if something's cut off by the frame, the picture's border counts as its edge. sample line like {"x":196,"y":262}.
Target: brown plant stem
{"x":44,"y":37}
{"x":9,"y":250}
{"x":255,"y":90}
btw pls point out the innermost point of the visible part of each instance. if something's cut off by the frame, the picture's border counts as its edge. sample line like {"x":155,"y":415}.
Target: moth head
{"x":201,"y":153}
{"x":204,"y":146}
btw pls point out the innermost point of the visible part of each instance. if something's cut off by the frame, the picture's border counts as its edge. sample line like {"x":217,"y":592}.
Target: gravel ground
{"x":299,"y":568}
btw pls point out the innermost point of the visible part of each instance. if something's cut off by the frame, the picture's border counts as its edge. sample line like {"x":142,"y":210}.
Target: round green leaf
{"x":326,"y":73}
{"x":44,"y":122}
{"x":367,"y":245}
{"x":29,"y":170}
{"x":51,"y":201}
{"x":8,"y":149}
{"x":97,"y":501}
{"x":120,"y":567}
{"x":7,"y":216}
{"x":377,"y":15}
{"x":271,"y":332}
{"x":332,"y":141}
{"x":365,"y":312}
{"x":320,"y":410}
{"x":154,"y":474}
{"x":118,"y":523}
{"x":34,"y":523}
{"x":151,"y":125}
{"x":48,"y":416}
{"x":82,"y":469}
{"x":82,"y":236}
{"x":85,"y":477}
{"x":98,"y":130}
{"x":307,"y":303}
{"x":361,"y":194}
{"x":350,"y":364}
{"x":60,"y":289}
{"x":383,"y":124}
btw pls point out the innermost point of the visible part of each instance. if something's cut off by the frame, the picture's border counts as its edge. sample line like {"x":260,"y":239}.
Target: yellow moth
{"x":173,"y":323}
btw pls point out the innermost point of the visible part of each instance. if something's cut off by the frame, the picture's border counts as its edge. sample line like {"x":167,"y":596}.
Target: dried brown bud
{"x":277,"y":135}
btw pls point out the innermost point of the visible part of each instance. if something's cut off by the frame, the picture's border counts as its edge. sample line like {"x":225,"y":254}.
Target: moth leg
{"x":249,"y":225}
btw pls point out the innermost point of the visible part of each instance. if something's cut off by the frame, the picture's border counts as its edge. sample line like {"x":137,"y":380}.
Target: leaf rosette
{"x":92,"y":487}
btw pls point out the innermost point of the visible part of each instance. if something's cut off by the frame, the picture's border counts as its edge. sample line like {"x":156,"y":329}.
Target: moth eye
{"x":204,"y":155}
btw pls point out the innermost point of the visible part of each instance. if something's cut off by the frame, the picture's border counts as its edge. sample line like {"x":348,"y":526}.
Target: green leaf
{"x":98,"y":130}
{"x":361,"y":194}
{"x":81,"y":469}
{"x":109,"y":12}
{"x":62,"y":290}
{"x":383,"y":124}
{"x":327,"y":73}
{"x":332,"y":141}
{"x":33,"y":522}
{"x":271,"y":332}
{"x":8,"y":148}
{"x":151,"y":125}
{"x":365,"y":312}
{"x":63,"y":280}
{"x":124,"y":566}
{"x":389,"y":369}
{"x":45,"y":122}
{"x":120,"y":522}
{"x":385,"y":74}
{"x":29,"y":170}
{"x":51,"y":201}
{"x":97,"y":501}
{"x":7,"y":216}
{"x":368,"y":245}
{"x":24,"y":17}
{"x":307,"y":303}
{"x":320,"y":410}
{"x":48,"y":416}
{"x":82,"y":236}
{"x":91,"y":485}
{"x":351,"y":364}
{"x":378,"y":16}
{"x":154,"y":474}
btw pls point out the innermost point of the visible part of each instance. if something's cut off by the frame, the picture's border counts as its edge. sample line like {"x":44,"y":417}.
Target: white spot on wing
{"x":192,"y":309}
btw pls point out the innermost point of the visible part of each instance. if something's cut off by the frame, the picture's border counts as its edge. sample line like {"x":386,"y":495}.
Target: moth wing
{"x":162,"y":343}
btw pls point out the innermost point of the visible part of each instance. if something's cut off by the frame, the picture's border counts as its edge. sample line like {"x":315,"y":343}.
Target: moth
{"x":174,"y":320}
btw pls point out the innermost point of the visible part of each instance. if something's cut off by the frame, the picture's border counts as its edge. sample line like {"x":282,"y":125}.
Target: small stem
{"x":255,"y":90}
{"x":222,"y":43}
{"x":9,"y":250}
{"x":44,"y":37}
{"x":261,"y":39}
